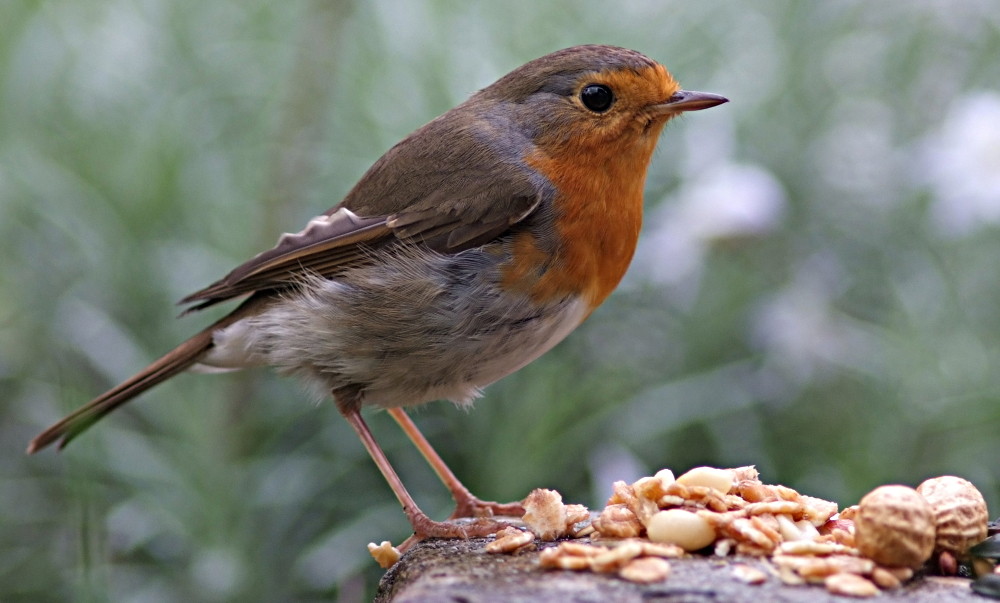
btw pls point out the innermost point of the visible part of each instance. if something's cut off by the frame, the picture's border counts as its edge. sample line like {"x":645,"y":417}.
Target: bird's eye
{"x":597,"y":97}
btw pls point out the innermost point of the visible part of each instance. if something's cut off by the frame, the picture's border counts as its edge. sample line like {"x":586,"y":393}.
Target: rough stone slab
{"x":461,"y":571}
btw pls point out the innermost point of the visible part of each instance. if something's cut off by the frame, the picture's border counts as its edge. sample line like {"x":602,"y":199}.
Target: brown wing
{"x":326,"y":242}
{"x":443,"y":186}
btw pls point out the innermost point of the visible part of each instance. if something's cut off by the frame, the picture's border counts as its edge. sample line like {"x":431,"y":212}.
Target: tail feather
{"x":172,"y":363}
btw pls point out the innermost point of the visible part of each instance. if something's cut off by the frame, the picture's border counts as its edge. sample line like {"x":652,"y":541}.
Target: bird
{"x":468,"y":250}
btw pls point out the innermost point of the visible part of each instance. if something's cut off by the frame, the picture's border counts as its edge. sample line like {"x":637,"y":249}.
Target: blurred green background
{"x":817,"y":291}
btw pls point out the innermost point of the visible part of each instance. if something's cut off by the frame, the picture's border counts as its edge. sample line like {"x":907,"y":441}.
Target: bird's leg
{"x":466,"y":504}
{"x":423,"y":526}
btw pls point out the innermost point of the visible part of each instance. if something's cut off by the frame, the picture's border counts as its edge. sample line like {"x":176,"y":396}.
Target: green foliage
{"x":816,"y":294}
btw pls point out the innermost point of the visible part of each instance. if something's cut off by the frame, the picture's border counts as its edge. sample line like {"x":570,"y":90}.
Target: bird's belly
{"x":457,"y":370}
{"x":416,"y":329}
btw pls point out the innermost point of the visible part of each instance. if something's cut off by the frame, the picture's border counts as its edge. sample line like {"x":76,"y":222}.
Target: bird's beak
{"x":688,"y":100}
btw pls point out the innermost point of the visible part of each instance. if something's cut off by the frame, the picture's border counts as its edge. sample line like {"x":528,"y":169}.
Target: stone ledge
{"x":461,"y":571}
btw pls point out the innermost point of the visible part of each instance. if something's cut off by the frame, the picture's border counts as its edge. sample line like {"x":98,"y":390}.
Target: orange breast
{"x":597,"y":221}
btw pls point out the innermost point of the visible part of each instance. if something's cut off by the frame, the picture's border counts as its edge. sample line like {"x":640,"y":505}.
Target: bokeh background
{"x":817,"y":291}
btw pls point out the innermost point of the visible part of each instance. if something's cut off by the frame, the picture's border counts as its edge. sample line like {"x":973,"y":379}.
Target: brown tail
{"x":173,"y":362}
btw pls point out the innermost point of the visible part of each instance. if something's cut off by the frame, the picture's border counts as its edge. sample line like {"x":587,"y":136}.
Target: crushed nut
{"x":545,"y":513}
{"x":850,"y":585}
{"x":645,"y":570}
{"x":817,"y":510}
{"x":795,"y":530}
{"x":656,"y":549}
{"x":384,"y":554}
{"x":618,"y":521}
{"x":745,"y":531}
{"x":575,"y":514}
{"x":580,"y":550}
{"x":576,"y":564}
{"x":751,"y":550}
{"x":666,"y":476}
{"x":903,"y":574}
{"x":777,"y":507}
{"x":837,"y":524}
{"x":697,"y":496}
{"x":749,"y":575}
{"x":754,"y":491}
{"x":625,"y":494}
{"x":723,"y":547}
{"x":720,"y":521}
{"x":745,"y":474}
{"x":821,"y":567}
{"x":768,"y":525}
{"x":561,"y":557}
{"x":734,"y":502}
{"x":668,"y":501}
{"x":812,"y":547}
{"x":622,"y":494}
{"x":650,"y":488}
{"x":885,"y":579}
{"x":615,"y":558}
{"x":510,"y":539}
{"x":784,"y":492}
{"x":789,"y":577}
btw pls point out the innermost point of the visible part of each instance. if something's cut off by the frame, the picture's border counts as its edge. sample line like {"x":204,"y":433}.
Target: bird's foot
{"x":424,"y":527}
{"x":470,"y":506}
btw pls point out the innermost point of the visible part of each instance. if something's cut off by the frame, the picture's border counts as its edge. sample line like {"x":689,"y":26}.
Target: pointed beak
{"x":688,"y":100}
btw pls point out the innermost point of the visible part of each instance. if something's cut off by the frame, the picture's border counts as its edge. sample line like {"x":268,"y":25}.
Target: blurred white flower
{"x":855,"y":157}
{"x":803,"y":334}
{"x":115,"y":53}
{"x":219,"y":572}
{"x":961,"y":165}
{"x":726,"y":201}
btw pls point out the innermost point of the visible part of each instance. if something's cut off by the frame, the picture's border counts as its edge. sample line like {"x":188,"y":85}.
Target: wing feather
{"x":410,"y":195}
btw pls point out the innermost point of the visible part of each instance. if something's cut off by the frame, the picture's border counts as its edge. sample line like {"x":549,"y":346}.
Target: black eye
{"x":597,"y":97}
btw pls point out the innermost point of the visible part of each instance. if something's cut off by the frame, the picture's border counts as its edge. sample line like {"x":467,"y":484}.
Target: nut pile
{"x":877,"y":544}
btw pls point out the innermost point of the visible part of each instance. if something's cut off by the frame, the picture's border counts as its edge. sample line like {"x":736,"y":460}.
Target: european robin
{"x":468,"y":250}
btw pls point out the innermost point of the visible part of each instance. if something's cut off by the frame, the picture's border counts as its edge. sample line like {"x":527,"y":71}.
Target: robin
{"x":465,"y":252}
